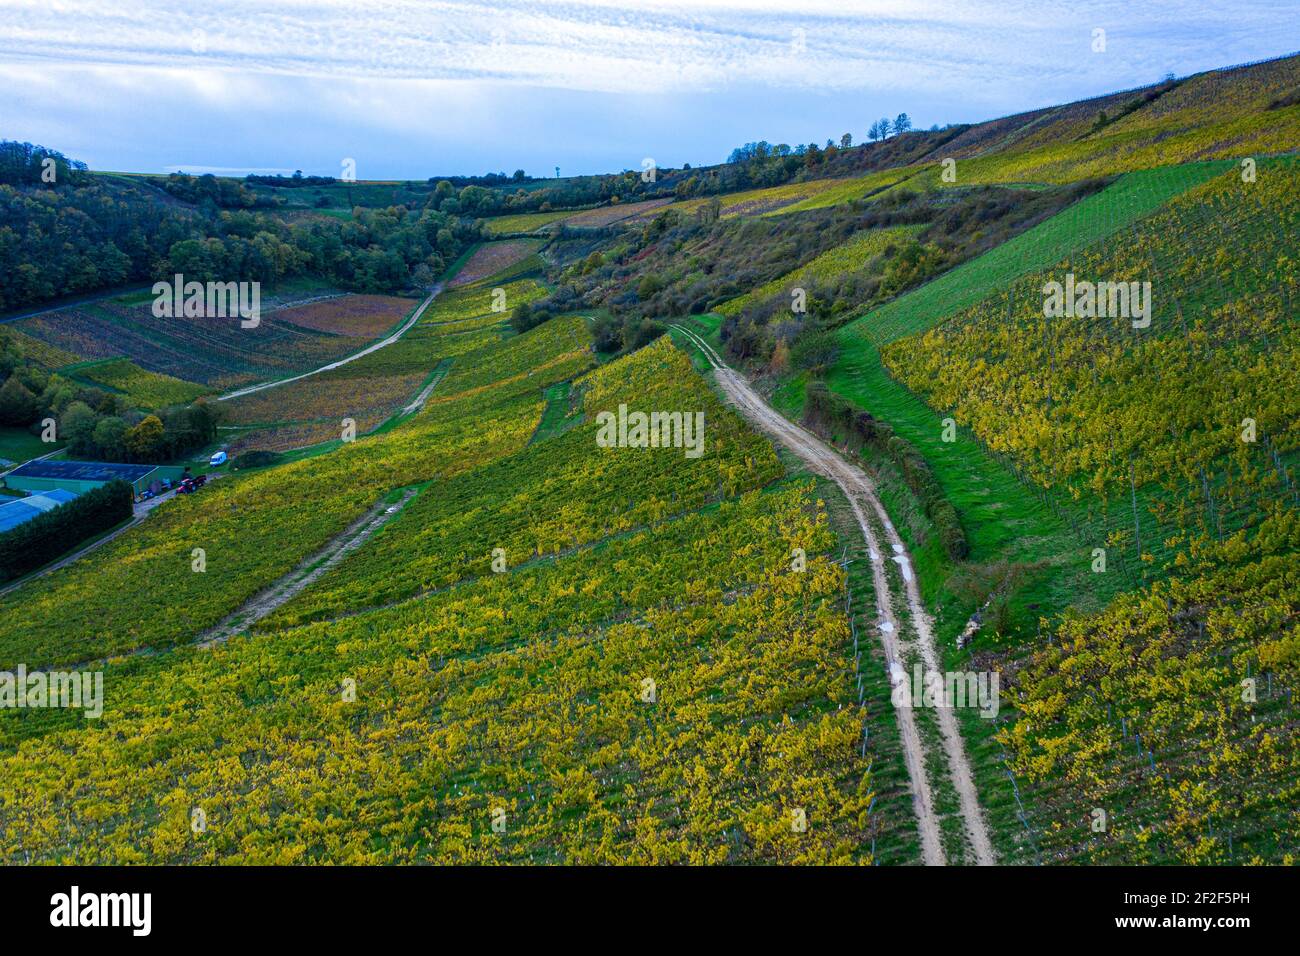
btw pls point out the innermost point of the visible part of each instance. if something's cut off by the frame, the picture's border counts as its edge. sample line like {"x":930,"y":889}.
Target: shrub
{"x":828,"y":412}
{"x":815,"y":351}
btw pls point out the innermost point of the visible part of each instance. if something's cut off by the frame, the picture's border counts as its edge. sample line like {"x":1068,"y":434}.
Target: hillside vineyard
{"x":931,"y":500}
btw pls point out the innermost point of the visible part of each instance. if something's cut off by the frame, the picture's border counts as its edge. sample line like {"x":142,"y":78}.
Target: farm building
{"x":14,"y":513}
{"x":79,"y":477}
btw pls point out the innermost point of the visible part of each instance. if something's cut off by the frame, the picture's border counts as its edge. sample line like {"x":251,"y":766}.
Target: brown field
{"x":493,"y":257}
{"x":608,"y":215}
{"x":358,"y":316}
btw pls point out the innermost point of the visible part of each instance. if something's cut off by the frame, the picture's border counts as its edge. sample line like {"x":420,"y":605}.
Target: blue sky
{"x":414,"y":88}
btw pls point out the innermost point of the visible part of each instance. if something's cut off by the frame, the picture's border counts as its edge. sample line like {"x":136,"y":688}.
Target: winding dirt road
{"x":870,"y":514}
{"x":373,"y":347}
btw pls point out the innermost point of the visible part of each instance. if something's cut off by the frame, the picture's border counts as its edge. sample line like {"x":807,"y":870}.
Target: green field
{"x":1115,"y":208}
{"x":19,"y":445}
{"x":524,"y":222}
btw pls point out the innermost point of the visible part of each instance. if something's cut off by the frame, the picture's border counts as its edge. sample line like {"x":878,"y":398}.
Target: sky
{"x":409,"y":89}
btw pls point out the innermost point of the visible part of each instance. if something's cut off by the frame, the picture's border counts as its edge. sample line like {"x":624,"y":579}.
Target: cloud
{"x":422,"y":87}
{"x":621,"y":47}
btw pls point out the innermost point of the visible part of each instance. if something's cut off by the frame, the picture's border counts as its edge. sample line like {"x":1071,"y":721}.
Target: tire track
{"x":307,"y":572}
{"x":861,"y":494}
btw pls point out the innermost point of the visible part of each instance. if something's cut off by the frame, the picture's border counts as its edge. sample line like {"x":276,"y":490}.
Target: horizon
{"x":496,"y":87}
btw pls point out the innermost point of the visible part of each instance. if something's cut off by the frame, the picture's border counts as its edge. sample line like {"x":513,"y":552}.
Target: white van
{"x":218,"y":459}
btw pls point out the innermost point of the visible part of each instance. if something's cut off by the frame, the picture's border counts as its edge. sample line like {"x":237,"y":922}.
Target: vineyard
{"x":370,"y":390}
{"x":608,"y":215}
{"x":143,"y":389}
{"x":493,"y":258}
{"x":565,"y":692}
{"x":1013,"y":401}
{"x":1109,"y":212}
{"x":554,"y":496}
{"x":812,"y":194}
{"x":358,"y":316}
{"x":1182,"y":123}
{"x":517,"y":718}
{"x":1172,"y":713}
{"x":255,"y":529}
{"x":851,"y":256}
{"x":1172,"y":448}
{"x":1077,"y":401}
{"x":524,"y":222}
{"x":217,"y":352}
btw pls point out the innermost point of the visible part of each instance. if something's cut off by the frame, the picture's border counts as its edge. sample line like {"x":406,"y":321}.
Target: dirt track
{"x":293,"y":583}
{"x":861,"y":494}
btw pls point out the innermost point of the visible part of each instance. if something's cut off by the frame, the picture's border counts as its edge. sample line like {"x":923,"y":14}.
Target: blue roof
{"x":14,"y":513}
{"x":81,"y":470}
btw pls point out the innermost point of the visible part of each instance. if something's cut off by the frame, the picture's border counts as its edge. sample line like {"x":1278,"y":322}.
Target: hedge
{"x":257,"y":458}
{"x":47,"y":536}
{"x":828,"y":412}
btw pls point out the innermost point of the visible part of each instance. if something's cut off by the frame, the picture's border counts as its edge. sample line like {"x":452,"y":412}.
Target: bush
{"x":607,"y":334}
{"x":827,"y":412}
{"x":640,"y":334}
{"x":527,"y":317}
{"x":815,"y":351}
{"x":46,"y":537}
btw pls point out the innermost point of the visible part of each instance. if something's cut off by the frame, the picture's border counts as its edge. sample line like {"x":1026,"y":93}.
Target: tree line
{"x":84,"y":233}
{"x":47,"y":536}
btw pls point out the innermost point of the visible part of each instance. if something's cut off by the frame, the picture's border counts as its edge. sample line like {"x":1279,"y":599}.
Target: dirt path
{"x":418,"y":402}
{"x":301,"y":577}
{"x":861,"y":494}
{"x":373,"y":347}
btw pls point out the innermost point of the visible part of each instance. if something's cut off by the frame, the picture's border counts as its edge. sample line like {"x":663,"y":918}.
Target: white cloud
{"x":412,"y":88}
{"x":604,"y":45}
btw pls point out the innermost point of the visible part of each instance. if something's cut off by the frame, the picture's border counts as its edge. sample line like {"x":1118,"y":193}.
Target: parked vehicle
{"x":191,"y":484}
{"x":218,"y":459}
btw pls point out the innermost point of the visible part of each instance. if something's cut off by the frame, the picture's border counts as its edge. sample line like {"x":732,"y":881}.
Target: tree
{"x":18,"y":406}
{"x":885,"y":128}
{"x":648,"y":287}
{"x":77,"y":428}
{"x":846,"y":141}
{"x":144,"y":441}
{"x":903,"y":123}
{"x":110,"y":438}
